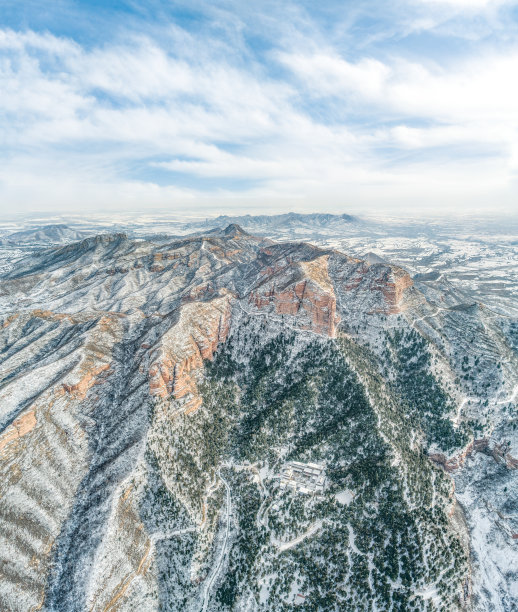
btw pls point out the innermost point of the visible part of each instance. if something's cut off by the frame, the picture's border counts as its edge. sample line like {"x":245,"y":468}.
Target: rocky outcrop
{"x":390,"y":282}
{"x":302,"y":290}
{"x":393,"y":288}
{"x":450,"y":464}
{"x":499,"y":452}
{"x":180,"y":353}
{"x":128,"y":548}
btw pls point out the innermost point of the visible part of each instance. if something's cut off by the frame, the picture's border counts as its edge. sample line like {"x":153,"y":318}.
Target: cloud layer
{"x":260,"y":108}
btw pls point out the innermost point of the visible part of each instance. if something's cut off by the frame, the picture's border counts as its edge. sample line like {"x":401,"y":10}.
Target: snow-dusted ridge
{"x":152,"y":389}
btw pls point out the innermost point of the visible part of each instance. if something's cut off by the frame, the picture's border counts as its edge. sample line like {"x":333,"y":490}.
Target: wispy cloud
{"x":177,"y":114}
{"x":469,"y":5}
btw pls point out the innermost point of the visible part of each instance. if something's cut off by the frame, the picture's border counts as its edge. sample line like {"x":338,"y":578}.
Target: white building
{"x":308,"y":478}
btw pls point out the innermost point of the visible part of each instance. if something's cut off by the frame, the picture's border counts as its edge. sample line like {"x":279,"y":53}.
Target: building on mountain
{"x":307,"y":478}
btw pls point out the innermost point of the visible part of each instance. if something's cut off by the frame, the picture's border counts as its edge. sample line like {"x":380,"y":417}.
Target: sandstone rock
{"x":181,"y":351}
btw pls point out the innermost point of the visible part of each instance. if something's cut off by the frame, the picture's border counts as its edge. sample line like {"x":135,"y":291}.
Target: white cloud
{"x":482,"y":87}
{"x":329,"y":74}
{"x":474,"y":103}
{"x":470,"y":5}
{"x":75,"y":124}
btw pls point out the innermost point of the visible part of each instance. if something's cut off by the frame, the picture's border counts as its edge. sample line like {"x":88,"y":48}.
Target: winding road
{"x":217,"y":568}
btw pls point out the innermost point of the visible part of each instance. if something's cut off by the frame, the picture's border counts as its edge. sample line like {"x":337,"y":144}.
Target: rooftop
{"x":306,"y":478}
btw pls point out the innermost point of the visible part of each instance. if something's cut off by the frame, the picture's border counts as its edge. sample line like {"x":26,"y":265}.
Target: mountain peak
{"x":98,"y":239}
{"x":372,"y":258}
{"x":234,"y":230}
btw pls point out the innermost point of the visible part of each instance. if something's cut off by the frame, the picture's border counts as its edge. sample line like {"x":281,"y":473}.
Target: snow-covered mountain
{"x":290,"y":221}
{"x":46,"y":234}
{"x":155,"y":392}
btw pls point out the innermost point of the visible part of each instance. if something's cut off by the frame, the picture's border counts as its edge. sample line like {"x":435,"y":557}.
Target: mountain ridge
{"x":281,"y":221}
{"x":57,"y":233}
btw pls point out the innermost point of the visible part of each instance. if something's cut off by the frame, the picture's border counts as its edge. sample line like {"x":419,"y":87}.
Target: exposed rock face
{"x":450,"y":464}
{"x":43,"y":451}
{"x":394,"y":287}
{"x":181,"y":351}
{"x":103,"y":352}
{"x":19,"y":427}
{"x":302,"y":290}
{"x":390,"y":281}
{"x":498,"y":451}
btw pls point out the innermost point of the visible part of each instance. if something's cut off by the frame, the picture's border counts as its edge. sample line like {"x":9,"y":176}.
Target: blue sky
{"x":213,"y":106}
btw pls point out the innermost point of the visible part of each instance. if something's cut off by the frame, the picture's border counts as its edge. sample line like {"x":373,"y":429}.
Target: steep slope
{"x":153,"y":391}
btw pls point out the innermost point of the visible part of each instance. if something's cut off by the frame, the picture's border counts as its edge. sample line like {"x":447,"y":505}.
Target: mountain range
{"x":153,"y":392}
{"x":290,"y":220}
{"x":59,"y":233}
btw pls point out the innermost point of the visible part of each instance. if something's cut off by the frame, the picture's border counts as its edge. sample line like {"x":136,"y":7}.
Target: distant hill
{"x":285,"y":221}
{"x":46,"y":234}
